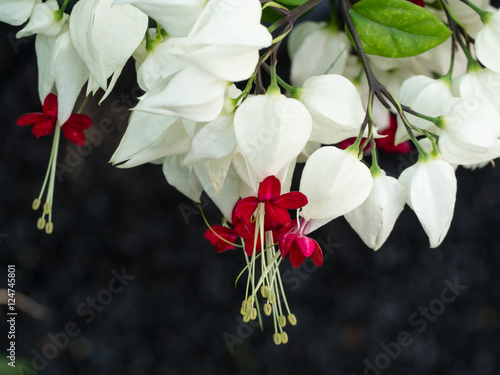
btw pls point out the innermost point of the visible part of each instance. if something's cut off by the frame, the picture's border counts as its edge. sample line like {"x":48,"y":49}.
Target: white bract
{"x":335,"y":108}
{"x":61,"y":68}
{"x":315,"y":49}
{"x":177,"y":17}
{"x":271,"y":130}
{"x":16,"y":12}
{"x":374,"y":219}
{"x":488,"y":43}
{"x":470,"y":132}
{"x":105,"y":36}
{"x":335,"y":182}
{"x":43,"y":20}
{"x":431,"y":188}
{"x":426,"y":96}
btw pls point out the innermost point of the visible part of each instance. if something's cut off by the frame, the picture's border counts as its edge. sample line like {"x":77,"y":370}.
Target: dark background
{"x":176,"y":316}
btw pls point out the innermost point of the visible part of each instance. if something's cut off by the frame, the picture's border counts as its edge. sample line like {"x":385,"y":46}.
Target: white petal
{"x":44,"y":46}
{"x":105,"y":36}
{"x":71,"y":73}
{"x":374,"y":219}
{"x":149,"y":137}
{"x":191,"y":93}
{"x":335,"y":108}
{"x":426,"y":96}
{"x":16,"y":12}
{"x":177,"y":17}
{"x":335,"y":182}
{"x":43,"y":21}
{"x":181,"y":177}
{"x":323,"y":51}
{"x":271,"y":130}
{"x":431,"y":188}
{"x":227,"y":196}
{"x":215,"y":140}
{"x":487,"y":43}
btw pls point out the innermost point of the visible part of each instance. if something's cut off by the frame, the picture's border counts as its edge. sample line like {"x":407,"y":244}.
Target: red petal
{"x":30,"y":119}
{"x":269,"y":189}
{"x":221,"y":244}
{"x":296,"y":256}
{"x":76,"y":136}
{"x":79,"y":121}
{"x":44,"y":127}
{"x":306,"y":245}
{"x":417,"y":2}
{"x":291,"y":201}
{"x":285,"y":242}
{"x":276,"y":217}
{"x":244,"y":210}
{"x":50,"y":106}
{"x":317,"y":256}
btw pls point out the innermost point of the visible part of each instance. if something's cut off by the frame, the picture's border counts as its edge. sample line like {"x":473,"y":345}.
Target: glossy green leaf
{"x":396,"y":28}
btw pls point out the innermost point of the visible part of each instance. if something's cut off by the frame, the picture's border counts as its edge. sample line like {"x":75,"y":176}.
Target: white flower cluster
{"x":210,"y":136}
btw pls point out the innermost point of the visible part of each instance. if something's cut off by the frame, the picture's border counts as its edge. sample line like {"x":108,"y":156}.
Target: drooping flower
{"x":44,"y":20}
{"x":431,"y":188}
{"x":374,"y":219}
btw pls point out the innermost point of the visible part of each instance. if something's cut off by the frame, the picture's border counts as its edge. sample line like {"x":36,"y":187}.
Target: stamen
{"x":284,"y":337}
{"x":264,"y":290}
{"x":292,"y":319}
{"x":282,"y":320}
{"x":277,"y":338}
{"x":50,"y":177}
{"x":268,"y":309}
{"x":271,"y":297}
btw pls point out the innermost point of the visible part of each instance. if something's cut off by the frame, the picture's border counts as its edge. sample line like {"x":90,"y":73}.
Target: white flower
{"x":470,"y":132}
{"x":43,"y":20}
{"x":487,"y":43}
{"x":105,"y":36}
{"x":335,"y":182}
{"x":16,"y":12}
{"x":271,"y":130}
{"x":431,"y":188}
{"x":374,"y":219}
{"x":315,"y":49}
{"x":335,"y":108}
{"x":426,"y":96}
{"x":177,"y":17}
{"x":483,"y":84}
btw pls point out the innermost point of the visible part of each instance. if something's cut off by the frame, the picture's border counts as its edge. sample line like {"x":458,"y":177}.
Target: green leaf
{"x":294,"y":3}
{"x":396,"y":28}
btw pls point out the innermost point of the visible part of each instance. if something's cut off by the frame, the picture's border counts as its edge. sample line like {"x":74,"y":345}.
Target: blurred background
{"x":173,"y":308}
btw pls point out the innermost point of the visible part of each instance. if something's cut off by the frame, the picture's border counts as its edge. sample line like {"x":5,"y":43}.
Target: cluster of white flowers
{"x":209,"y":136}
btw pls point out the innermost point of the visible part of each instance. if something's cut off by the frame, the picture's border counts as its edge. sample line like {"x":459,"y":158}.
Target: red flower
{"x":276,"y":205}
{"x":299,"y":246}
{"x":73,"y":129}
{"x":44,"y":123}
{"x":222,"y":239}
{"x":386,"y":144}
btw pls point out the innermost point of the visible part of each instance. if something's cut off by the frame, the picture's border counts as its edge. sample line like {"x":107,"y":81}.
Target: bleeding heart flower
{"x":44,"y":123}
{"x":276,"y":205}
